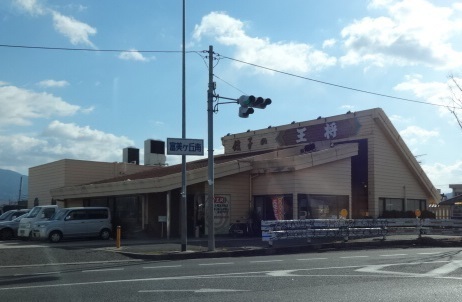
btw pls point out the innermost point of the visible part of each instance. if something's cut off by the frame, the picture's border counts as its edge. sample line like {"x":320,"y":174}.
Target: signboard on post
{"x":185,"y":146}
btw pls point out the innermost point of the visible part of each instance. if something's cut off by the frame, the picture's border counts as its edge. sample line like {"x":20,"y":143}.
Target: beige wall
{"x":68,"y":172}
{"x":238,"y":187}
{"x":331,"y":179}
{"x":390,"y":173}
{"x":42,"y":179}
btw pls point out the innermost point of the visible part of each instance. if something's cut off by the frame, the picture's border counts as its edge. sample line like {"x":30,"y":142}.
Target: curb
{"x":310,"y":248}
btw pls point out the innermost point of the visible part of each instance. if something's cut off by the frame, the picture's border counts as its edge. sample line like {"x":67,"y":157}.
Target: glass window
{"x":391,"y":204}
{"x":97,"y":214}
{"x":48,"y":213}
{"x":33,"y":213}
{"x":60,"y":214}
{"x":5,"y":215}
{"x":321,"y":206}
{"x":416,"y":204}
{"x":274,"y":207}
{"x":77,"y":215}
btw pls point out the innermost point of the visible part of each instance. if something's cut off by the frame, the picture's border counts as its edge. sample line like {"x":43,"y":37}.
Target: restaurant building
{"x":356,"y":164}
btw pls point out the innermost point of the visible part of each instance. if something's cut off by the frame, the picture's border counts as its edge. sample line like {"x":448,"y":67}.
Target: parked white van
{"x":38,"y":213}
{"x":75,"y":222}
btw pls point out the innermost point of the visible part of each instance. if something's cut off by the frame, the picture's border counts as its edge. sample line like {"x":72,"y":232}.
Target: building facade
{"x":355,"y":164}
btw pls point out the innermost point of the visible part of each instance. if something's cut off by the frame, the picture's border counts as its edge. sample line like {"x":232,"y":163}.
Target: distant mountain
{"x":9,"y":186}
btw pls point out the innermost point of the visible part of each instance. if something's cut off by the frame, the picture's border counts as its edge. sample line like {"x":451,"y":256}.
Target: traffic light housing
{"x":248,"y":102}
{"x":261,"y":103}
{"x":245,"y":111}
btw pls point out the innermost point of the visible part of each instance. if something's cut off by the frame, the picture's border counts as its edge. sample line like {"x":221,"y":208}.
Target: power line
{"x":335,"y":85}
{"x":228,"y":83}
{"x":91,"y":49}
{"x":232,"y":59}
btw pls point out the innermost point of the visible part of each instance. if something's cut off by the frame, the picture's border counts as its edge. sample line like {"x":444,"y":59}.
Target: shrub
{"x":427,"y":214}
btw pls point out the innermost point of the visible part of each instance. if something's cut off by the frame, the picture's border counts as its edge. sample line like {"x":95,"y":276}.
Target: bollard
{"x":118,"y":237}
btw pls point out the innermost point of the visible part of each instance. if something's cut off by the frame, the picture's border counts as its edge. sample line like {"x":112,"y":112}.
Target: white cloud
{"x":52,"y":83}
{"x":21,"y":106}
{"x":444,"y":174}
{"x":414,"y":31}
{"x":329,"y":43}
{"x":33,"y":7}
{"x":59,"y":140}
{"x":399,"y":119}
{"x":415,"y":135}
{"x":430,"y":92}
{"x":285,"y":56}
{"x":78,"y":32}
{"x":72,"y":141}
{"x":133,"y":55}
{"x":435,"y":92}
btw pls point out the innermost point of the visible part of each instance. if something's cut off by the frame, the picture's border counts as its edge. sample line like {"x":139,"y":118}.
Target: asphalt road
{"x":78,"y":272}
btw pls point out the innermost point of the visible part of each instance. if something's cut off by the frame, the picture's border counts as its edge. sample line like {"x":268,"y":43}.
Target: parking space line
{"x":219,"y":263}
{"x":163,"y":266}
{"x":102,"y":270}
{"x":393,"y":255}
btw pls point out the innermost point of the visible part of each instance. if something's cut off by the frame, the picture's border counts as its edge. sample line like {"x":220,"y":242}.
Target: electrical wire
{"x":91,"y":49}
{"x":232,"y":59}
{"x":228,"y":84}
{"x":336,"y":85}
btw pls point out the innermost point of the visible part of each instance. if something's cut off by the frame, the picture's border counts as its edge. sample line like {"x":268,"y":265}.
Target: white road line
{"x":164,"y":266}
{"x":351,"y":257}
{"x":201,"y":290}
{"x":222,"y":263}
{"x":20,"y":246}
{"x":260,"y":274}
{"x":445,"y":269}
{"x":311,"y":259}
{"x":102,"y":270}
{"x":393,"y":255}
{"x":434,"y":253}
{"x":265,"y":261}
{"x":35,"y":274}
{"x":69,"y":263}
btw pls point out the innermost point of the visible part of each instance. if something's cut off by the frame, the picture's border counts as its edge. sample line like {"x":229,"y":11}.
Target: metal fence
{"x":308,"y":229}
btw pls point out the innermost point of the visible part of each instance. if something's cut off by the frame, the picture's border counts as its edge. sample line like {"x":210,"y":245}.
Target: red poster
{"x":278,"y":207}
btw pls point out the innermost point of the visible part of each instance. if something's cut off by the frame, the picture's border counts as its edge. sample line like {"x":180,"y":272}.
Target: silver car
{"x":9,"y":223}
{"x":77,"y":222}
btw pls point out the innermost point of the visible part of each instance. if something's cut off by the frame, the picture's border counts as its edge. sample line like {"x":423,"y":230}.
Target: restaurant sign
{"x":326,"y":131}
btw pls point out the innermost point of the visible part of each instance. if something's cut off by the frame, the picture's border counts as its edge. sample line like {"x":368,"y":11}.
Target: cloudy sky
{"x":119,"y":81}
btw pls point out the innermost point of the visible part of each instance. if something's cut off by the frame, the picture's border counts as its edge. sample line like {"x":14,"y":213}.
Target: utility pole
{"x":211,"y":177}
{"x":183,"y":206}
{"x":247,"y":104}
{"x":20,"y":188}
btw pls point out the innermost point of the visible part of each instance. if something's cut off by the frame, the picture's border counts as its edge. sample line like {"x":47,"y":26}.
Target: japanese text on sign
{"x":182,"y":146}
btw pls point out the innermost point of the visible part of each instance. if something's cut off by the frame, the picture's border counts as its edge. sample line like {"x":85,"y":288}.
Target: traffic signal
{"x":248,"y":102}
{"x":261,"y":103}
{"x":245,"y":111}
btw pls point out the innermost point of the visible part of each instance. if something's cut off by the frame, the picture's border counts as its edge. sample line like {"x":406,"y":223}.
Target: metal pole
{"x":183,"y":206}
{"x":20,"y":188}
{"x":211,"y":180}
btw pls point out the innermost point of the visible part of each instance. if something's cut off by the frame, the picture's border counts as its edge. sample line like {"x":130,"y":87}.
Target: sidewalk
{"x":155,"y":249}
